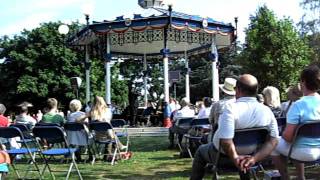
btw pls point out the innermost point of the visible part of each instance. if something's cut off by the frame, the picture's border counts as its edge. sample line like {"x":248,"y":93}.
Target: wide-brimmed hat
{"x":228,"y":86}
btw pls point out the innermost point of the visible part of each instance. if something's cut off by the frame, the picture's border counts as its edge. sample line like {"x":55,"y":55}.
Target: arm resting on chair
{"x":229,"y":148}
{"x":264,"y":151}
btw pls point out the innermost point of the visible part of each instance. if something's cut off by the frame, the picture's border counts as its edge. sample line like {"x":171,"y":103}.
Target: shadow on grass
{"x":149,"y":144}
{"x":157,"y":175}
{"x":167,"y":158}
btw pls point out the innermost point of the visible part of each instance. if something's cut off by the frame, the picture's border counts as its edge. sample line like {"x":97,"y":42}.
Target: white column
{"x":166,"y":78}
{"x":187,"y":76}
{"x":145,"y":80}
{"x":108,"y":73}
{"x":87,"y":74}
{"x":215,"y":73}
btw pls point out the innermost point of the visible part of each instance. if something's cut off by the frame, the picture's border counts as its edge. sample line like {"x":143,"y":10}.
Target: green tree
{"x":38,"y":64}
{"x":310,"y":25}
{"x":119,"y":90}
{"x":273,"y":50}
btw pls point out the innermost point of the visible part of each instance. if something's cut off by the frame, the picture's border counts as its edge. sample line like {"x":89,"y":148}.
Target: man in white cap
{"x":228,"y":93}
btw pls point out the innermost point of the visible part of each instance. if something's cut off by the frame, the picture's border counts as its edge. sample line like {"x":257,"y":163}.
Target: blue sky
{"x":19,"y":14}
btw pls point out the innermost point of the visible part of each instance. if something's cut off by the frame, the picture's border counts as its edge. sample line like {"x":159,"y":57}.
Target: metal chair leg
{"x":69,"y":171}
{"x":114,"y":156}
{"x":188,"y":148}
{"x":76,"y":166}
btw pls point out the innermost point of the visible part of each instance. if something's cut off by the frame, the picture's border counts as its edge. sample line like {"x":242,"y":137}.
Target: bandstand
{"x":163,"y":35}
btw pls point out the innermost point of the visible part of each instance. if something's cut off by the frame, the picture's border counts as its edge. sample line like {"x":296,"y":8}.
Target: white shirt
{"x":246,"y":112}
{"x":204,"y":112}
{"x":25,"y":119}
{"x":185,"y":112}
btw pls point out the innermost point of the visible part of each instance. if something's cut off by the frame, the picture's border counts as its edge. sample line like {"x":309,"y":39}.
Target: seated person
{"x":228,"y":96}
{"x":204,"y":112}
{"x":271,"y":98}
{"x":4,"y":122}
{"x":102,"y":113}
{"x":303,"y":110}
{"x":52,"y":116}
{"x":294,"y":93}
{"x":184,"y":112}
{"x":77,"y":138}
{"x":246,"y":112}
{"x":24,"y":118}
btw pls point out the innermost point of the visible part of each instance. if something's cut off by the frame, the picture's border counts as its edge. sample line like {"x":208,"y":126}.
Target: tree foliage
{"x":38,"y":64}
{"x":310,"y":25}
{"x":273,"y":50}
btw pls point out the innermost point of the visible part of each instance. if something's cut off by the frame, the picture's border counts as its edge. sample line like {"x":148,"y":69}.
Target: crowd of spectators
{"x":241,"y":106}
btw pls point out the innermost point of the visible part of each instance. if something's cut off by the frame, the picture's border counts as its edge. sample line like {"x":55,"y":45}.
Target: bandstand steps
{"x":146,"y":131}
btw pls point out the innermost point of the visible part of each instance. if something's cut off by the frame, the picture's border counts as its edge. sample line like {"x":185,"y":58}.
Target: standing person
{"x":167,"y":112}
{"x":204,"y":112}
{"x":4,"y":122}
{"x":271,"y":97}
{"x":173,"y":104}
{"x":304,"y":110}
{"x":101,"y":112}
{"x":228,"y":94}
{"x":246,"y":112}
{"x":52,"y":116}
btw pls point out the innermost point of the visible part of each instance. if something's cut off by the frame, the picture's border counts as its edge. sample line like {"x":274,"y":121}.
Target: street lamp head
{"x":87,"y":9}
{"x":63,"y":29}
{"x":169,"y":3}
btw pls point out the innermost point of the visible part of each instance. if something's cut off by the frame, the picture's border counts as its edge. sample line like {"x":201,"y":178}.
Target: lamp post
{"x":236,"y":33}
{"x":165,"y":52}
{"x":215,"y":73}
{"x":87,"y":63}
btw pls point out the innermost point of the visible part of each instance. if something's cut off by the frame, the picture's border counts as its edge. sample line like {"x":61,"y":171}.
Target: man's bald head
{"x":248,"y":85}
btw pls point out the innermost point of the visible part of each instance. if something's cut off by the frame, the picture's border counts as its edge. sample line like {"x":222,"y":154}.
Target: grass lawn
{"x":151,"y":160}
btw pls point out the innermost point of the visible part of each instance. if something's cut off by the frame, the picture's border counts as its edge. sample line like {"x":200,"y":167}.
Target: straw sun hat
{"x":228,"y":86}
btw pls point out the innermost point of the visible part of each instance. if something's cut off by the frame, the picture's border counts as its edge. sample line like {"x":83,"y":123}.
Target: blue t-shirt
{"x":306,"y":109}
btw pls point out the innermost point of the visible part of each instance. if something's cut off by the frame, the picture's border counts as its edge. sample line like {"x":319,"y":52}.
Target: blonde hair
{"x":99,"y":109}
{"x":75,"y":105}
{"x":271,"y":96}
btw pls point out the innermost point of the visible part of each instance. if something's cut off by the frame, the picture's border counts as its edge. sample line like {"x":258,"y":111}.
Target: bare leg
{"x":299,"y":170}
{"x":280,"y":163}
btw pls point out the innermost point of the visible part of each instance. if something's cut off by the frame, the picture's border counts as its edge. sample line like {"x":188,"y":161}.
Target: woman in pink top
{"x":3,"y":120}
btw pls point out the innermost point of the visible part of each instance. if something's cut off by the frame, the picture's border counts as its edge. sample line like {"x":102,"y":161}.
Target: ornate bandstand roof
{"x":145,"y":34}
